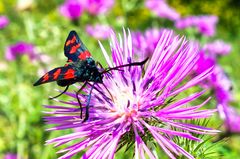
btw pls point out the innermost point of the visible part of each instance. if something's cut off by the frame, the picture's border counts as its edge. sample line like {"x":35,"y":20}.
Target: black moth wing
{"x":74,"y":49}
{"x":60,"y":73}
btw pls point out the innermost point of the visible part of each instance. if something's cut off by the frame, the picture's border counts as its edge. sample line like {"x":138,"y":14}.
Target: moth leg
{"x":88,"y":102}
{"x":99,"y":64}
{"x":77,"y":93}
{"x":60,"y":93}
{"x":108,"y":91}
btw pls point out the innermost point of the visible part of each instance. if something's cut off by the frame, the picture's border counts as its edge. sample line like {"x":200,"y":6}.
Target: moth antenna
{"x":126,"y":65}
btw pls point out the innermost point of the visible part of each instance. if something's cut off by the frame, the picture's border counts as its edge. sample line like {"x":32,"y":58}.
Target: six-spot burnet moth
{"x":80,"y":67}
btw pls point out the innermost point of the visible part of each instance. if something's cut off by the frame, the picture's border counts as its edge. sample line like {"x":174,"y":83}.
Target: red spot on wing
{"x":68,"y":43}
{"x":45,"y":77}
{"x":84,"y":55}
{"x":56,"y":74}
{"x":74,"y":48}
{"x":69,"y":74}
{"x":71,"y":41}
{"x":69,"y":60}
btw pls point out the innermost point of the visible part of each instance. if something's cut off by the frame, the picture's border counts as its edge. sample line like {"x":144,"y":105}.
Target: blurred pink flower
{"x":44,"y":58}
{"x":19,"y":48}
{"x":162,"y":9}
{"x":205,"y":24}
{"x":218,"y":47}
{"x":144,"y":43}
{"x":98,"y":31}
{"x":186,"y":22}
{"x":204,"y":62}
{"x":71,"y":9}
{"x":222,"y":85}
{"x":10,"y":156}
{"x":95,"y":7}
{"x":22,"y":48}
{"x":230,"y":116}
{"x":223,"y":95}
{"x":218,"y":81}
{"x":3,"y":21}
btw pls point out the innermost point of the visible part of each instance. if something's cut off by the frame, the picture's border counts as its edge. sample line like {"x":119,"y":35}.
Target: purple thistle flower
{"x":19,"y":48}
{"x":145,"y":43}
{"x":136,"y":104}
{"x":230,"y":116}
{"x":10,"y":156}
{"x":98,"y":31}
{"x":23,"y":48}
{"x":223,"y":91}
{"x":217,"y":47}
{"x":3,"y":22}
{"x":206,"y":24}
{"x":218,"y":80}
{"x":162,"y":9}
{"x":96,"y":7}
{"x":71,"y":9}
{"x":222,"y":85}
{"x":204,"y":62}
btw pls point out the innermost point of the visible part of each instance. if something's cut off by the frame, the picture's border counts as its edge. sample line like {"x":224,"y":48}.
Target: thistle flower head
{"x":10,"y":156}
{"x":222,"y":85}
{"x":218,"y":81}
{"x":20,"y":48}
{"x":217,"y":47}
{"x":3,"y":22}
{"x":204,"y":62}
{"x":99,"y":31}
{"x":96,"y":7}
{"x":144,"y":43}
{"x":205,"y":24}
{"x":231,"y":117}
{"x":71,"y":9}
{"x":162,"y":9}
{"x":138,"y":106}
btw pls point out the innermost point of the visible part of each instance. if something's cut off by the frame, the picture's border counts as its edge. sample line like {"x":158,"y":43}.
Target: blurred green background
{"x":22,"y":130}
